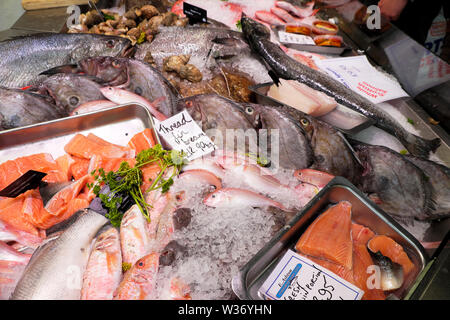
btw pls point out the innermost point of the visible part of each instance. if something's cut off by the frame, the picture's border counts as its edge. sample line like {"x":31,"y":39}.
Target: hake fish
{"x":56,"y":268}
{"x":24,"y":58}
{"x":288,"y":68}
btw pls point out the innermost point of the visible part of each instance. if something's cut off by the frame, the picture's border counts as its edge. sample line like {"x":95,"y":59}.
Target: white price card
{"x":287,"y":37}
{"x":182,"y":133}
{"x":298,"y":278}
{"x":357,"y":74}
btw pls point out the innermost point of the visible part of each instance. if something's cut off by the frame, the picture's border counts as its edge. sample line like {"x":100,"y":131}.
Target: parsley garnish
{"x":108,"y":17}
{"x":239,"y":25}
{"x":141,"y":38}
{"x":128,"y":181}
{"x":410,"y":121}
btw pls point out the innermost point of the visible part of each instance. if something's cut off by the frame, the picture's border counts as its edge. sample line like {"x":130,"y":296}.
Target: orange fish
{"x":85,"y":147}
{"x":65,"y":163}
{"x":329,"y":236}
{"x":391,"y":249}
{"x":361,"y":234}
{"x":43,"y":162}
{"x":79,"y":167}
{"x":139,"y":282}
{"x":361,"y":261}
{"x":142,"y":141}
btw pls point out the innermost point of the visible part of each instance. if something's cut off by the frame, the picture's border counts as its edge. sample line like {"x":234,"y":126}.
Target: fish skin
{"x":288,"y":68}
{"x":315,"y":177}
{"x":295,"y":151}
{"x":218,"y":114}
{"x":330,"y":150}
{"x":391,"y":277}
{"x":9,"y":233}
{"x":12,"y":265}
{"x":20,"y":108}
{"x":238,"y":198}
{"x":130,"y":74}
{"x":71,"y":91}
{"x":56,"y":268}
{"x":209,"y":48}
{"x":91,"y":106}
{"x":439,"y":177}
{"x":139,"y":282}
{"x":44,"y":51}
{"x":402,"y":187}
{"x":104,"y":269}
{"x":270,"y":17}
{"x":134,"y":237}
{"x":8,"y":253}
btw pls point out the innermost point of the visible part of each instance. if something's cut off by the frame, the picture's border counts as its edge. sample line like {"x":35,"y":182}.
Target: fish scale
{"x":56,"y":268}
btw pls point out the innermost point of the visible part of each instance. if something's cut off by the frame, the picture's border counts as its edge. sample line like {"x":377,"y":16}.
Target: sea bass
{"x":402,"y":188}
{"x":56,"y":268}
{"x":23,"y":59}
{"x":104,"y":269}
{"x":209,"y":49}
{"x":288,"y":68}
{"x":20,"y":108}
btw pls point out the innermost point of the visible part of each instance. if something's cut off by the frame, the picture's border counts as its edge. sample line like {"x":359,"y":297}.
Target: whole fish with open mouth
{"x":295,"y":151}
{"x":402,"y":188}
{"x":330,"y":150}
{"x":130,"y":74}
{"x":288,"y":68}
{"x":217,"y":116}
{"x":439,"y":177}
{"x":20,"y":108}
{"x":24,"y":58}
{"x":70,"y":90}
{"x":209,"y":50}
{"x":56,"y":268}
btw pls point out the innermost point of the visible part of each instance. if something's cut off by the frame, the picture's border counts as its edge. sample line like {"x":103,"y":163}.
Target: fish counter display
{"x":122,"y":214}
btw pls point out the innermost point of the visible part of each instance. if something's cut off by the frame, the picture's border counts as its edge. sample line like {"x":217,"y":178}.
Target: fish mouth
{"x":128,"y":51}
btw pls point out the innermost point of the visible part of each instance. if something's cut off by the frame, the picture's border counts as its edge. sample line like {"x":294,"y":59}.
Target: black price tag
{"x":194,"y":14}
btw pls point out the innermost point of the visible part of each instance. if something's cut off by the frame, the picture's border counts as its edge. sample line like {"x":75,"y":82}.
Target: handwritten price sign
{"x":183,"y":134}
{"x":298,"y":278}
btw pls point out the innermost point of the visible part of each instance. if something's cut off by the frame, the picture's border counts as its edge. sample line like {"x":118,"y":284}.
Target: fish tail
{"x":421,"y":147}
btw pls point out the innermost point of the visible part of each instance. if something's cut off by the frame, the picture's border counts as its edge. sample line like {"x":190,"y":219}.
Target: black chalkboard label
{"x":194,"y":14}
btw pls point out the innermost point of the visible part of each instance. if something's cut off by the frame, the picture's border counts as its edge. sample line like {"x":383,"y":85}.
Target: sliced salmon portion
{"x":391,"y":249}
{"x":83,"y":147}
{"x":337,"y":269}
{"x":59,"y":201}
{"x":65,"y":163}
{"x":361,"y":261}
{"x":142,"y":141}
{"x":43,"y":162}
{"x":79,"y":167}
{"x":361,"y":234}
{"x":329,"y":236}
{"x":12,"y":211}
{"x":108,"y":164}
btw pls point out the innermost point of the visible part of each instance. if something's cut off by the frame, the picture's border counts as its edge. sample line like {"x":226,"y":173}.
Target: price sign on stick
{"x":182,"y":133}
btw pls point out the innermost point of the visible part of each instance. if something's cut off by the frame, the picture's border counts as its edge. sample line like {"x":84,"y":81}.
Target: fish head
{"x":112,"y":70}
{"x":215,"y":198}
{"x":308,"y":125}
{"x":145,"y":269}
{"x":100,"y":45}
{"x":107,"y":237}
{"x":254,"y":28}
{"x":253,"y":114}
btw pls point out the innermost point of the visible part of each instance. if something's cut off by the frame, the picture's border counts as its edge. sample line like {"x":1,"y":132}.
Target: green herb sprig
{"x":128,"y":180}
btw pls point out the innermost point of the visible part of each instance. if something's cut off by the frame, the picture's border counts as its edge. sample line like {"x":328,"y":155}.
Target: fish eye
{"x":304,"y":122}
{"x":138,"y":90}
{"x":140,"y":263}
{"x":73,"y":100}
{"x":249,"y":110}
{"x":115,"y":64}
{"x":213,"y":196}
{"x":189,"y":103}
{"x":110,"y":43}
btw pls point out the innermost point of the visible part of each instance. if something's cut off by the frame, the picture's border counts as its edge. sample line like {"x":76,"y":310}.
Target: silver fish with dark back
{"x":286,"y":67}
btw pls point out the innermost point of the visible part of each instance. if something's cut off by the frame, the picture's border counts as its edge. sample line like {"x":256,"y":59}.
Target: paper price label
{"x":182,"y":133}
{"x":298,"y":278}
{"x":357,"y":74}
{"x":286,"y":37}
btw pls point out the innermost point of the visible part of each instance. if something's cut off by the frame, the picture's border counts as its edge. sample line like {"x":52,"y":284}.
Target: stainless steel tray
{"x":342,"y":118}
{"x":249,"y":279}
{"x":116,"y":125}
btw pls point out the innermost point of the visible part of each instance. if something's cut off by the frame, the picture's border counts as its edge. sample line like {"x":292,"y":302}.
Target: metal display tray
{"x":116,"y":125}
{"x":342,"y":118}
{"x":250,"y":277}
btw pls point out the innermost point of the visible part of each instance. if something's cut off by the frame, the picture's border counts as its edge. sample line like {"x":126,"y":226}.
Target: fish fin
{"x":421,"y":147}
{"x":67,"y":68}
